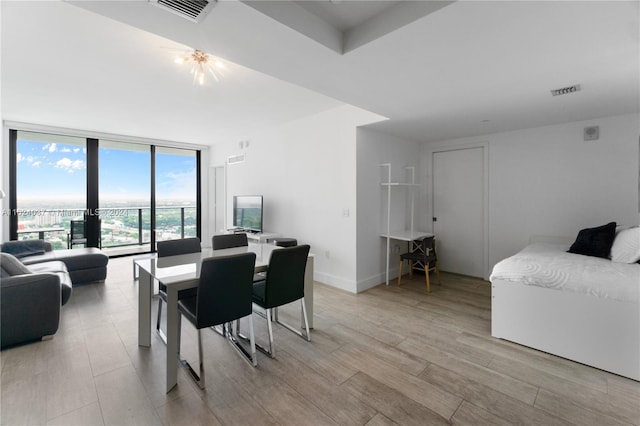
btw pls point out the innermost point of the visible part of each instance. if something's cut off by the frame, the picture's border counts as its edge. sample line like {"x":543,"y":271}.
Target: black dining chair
{"x":223,"y":296}
{"x":424,"y":257}
{"x":283,"y":284}
{"x":224,"y":241}
{"x":174,"y":248}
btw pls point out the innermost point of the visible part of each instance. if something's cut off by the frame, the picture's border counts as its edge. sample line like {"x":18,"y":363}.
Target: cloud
{"x":33,"y":161}
{"x":76,"y":150}
{"x":177,"y":184}
{"x":51,"y":147}
{"x":69,"y":165}
{"x":65,"y":150}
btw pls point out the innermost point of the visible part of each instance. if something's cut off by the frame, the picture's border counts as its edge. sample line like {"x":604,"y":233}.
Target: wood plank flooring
{"x":388,"y":356}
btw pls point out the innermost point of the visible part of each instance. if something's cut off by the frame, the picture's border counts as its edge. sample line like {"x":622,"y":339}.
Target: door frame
{"x":429,"y":160}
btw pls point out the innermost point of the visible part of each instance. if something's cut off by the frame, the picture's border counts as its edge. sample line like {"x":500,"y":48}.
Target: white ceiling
{"x":436,"y":70}
{"x":344,"y":15}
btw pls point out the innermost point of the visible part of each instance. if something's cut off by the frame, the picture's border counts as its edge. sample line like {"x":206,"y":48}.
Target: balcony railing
{"x":120,"y":226}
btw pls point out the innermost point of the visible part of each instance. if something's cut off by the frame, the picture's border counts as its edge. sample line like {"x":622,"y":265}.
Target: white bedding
{"x":550,"y":266}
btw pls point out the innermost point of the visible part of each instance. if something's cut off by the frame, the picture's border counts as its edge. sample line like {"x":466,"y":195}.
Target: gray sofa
{"x":84,"y":265}
{"x":35,"y":286}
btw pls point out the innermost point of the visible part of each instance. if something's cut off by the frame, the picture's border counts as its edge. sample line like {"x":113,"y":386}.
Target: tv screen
{"x":247,"y":212}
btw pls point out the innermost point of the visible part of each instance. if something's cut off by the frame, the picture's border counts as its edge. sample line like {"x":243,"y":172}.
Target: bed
{"x":578,"y":307}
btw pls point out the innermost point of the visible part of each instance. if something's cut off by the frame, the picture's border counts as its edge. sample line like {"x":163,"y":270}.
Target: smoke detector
{"x":565,"y":90}
{"x":192,"y":10}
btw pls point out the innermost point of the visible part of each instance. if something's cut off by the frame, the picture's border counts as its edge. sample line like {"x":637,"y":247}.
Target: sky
{"x":56,"y":171}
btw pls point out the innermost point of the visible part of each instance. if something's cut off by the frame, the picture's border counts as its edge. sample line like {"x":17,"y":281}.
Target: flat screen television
{"x":247,"y":212}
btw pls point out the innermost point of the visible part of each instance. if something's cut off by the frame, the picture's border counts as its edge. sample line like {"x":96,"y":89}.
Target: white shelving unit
{"x":409,"y":233}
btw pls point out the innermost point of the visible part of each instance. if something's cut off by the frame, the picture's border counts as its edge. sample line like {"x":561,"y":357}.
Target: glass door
{"x":125,"y":197}
{"x":176,"y":193}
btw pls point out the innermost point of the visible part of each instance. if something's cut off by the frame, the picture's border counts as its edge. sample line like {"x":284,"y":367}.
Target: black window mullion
{"x":198,"y":196}
{"x":13,"y":184}
{"x":153,"y":198}
{"x":92,"y":208}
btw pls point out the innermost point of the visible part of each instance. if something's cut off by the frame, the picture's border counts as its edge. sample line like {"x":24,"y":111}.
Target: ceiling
{"x":436,"y":70}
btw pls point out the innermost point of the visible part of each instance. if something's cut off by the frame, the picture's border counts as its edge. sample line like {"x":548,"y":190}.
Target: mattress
{"x":550,"y":266}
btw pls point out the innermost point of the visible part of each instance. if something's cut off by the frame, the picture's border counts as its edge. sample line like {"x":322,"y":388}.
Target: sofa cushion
{"x":10,"y":266}
{"x":52,"y":266}
{"x":66,"y":287}
{"x":24,"y":248}
{"x":82,"y":258}
{"x":56,"y":267}
{"x":626,"y":246}
{"x":595,"y":241}
{"x":39,"y":258}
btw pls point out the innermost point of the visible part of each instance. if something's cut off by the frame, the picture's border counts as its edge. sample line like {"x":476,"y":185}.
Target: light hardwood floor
{"x":386,"y":356}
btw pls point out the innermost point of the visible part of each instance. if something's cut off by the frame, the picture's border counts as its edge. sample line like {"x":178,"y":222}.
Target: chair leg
{"x":437,"y":271}
{"x":272,"y":315}
{"x":306,"y":320}
{"x":272,"y":352}
{"x":201,"y":360}
{"x":252,"y":338}
{"x":163,"y":337}
{"x":199,"y":379}
{"x":267,"y":315}
{"x":303,"y":312}
{"x":233,"y":335}
{"x":400,"y":272}
{"x":411,"y":269}
{"x":426,"y":274}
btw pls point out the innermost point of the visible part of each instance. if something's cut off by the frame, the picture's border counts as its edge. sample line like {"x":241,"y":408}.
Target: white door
{"x":458,"y":210}
{"x":216,"y":199}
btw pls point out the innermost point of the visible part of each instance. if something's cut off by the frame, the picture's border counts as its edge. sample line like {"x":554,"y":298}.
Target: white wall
{"x":549,"y":181}
{"x":306,"y":172}
{"x":375,"y":148}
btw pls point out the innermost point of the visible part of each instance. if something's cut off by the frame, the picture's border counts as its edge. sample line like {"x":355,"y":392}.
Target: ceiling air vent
{"x":193,"y":10}
{"x":235,"y":159}
{"x":565,"y":90}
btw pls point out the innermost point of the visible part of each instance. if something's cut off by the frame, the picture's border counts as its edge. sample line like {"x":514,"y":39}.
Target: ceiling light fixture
{"x":201,"y":64}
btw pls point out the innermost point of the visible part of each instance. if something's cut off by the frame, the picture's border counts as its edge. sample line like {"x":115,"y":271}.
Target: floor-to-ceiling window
{"x":127,"y":194}
{"x":176,"y":180}
{"x":50,"y":186}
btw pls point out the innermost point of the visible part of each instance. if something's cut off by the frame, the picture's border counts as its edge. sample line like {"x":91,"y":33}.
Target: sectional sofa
{"x":35,"y":281}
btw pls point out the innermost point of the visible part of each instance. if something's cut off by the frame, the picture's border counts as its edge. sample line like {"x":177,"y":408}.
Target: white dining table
{"x":182,"y":272}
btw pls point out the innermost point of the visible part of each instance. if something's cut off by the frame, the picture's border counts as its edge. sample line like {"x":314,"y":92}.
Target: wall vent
{"x":193,"y":10}
{"x":235,"y":159}
{"x":565,"y":90}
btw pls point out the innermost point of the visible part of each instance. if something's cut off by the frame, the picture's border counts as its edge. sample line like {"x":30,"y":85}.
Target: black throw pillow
{"x":595,"y":241}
